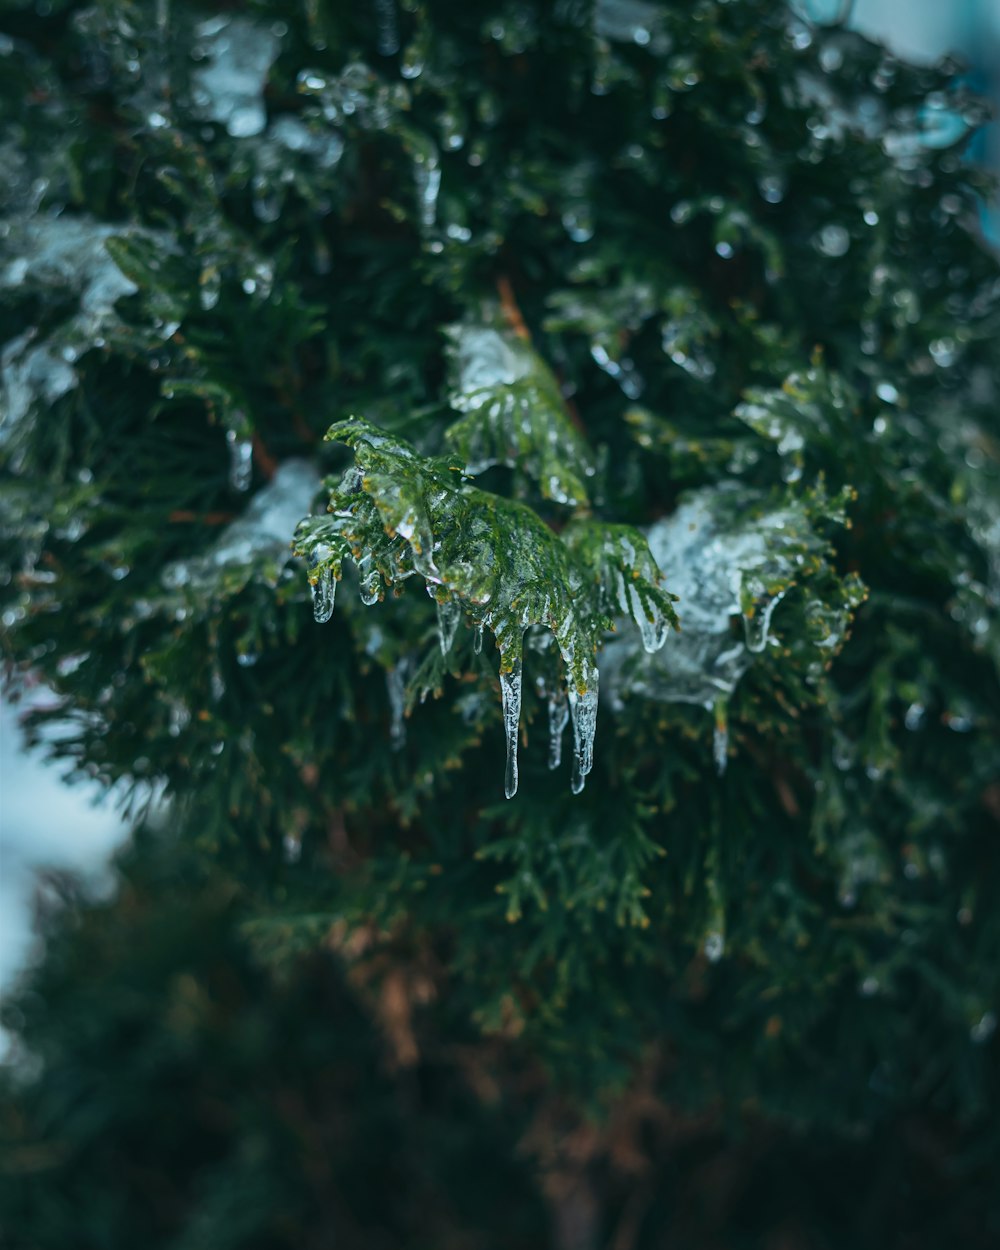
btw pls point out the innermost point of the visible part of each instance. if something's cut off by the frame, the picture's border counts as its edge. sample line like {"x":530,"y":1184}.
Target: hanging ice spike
{"x":510,"y":691}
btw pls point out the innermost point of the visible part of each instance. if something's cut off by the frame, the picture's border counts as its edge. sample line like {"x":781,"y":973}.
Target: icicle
{"x":583,"y":711}
{"x":720,"y":739}
{"x":757,"y":624}
{"x":477,"y":639}
{"x":387,"y":27}
{"x":160,"y":71}
{"x":510,"y":690}
{"x":558,"y":716}
{"x":427,"y":175}
{"x":216,"y":683}
{"x":323,"y":584}
{"x":371,"y":582}
{"x":395,"y":681}
{"x":240,"y":459}
{"x":430,"y":184}
{"x":714,"y":946}
{"x":449,"y":614}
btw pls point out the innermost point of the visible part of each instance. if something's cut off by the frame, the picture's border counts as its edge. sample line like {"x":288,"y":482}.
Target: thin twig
{"x":510,"y":308}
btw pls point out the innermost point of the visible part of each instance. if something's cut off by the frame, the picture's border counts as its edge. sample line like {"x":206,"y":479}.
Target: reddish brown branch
{"x":263,"y":458}
{"x":183,"y":516}
{"x":511,"y":311}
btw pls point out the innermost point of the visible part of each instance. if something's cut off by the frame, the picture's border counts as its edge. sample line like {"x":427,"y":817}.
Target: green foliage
{"x":666,"y":312}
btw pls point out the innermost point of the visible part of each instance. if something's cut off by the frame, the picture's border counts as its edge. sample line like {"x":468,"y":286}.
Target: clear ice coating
{"x":621,"y":368}
{"x":229,"y":87}
{"x":722,"y":561}
{"x":514,"y":413}
{"x":261,"y":533}
{"x":683,"y":339}
{"x":67,"y":255}
{"x":510,"y":692}
{"x":397,"y":513}
{"x":778,"y":417}
{"x":709,"y":557}
{"x":289,"y":134}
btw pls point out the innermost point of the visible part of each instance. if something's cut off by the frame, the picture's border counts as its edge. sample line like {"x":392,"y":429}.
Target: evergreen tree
{"x":655,"y":342}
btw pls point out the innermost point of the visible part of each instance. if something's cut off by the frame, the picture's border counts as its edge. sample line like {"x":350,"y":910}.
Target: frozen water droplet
{"x":943,"y":352}
{"x":830,"y":58}
{"x":984,"y":1028}
{"x":371,"y":581}
{"x":217,"y":687}
{"x":477,"y":639}
{"x":510,"y":691}
{"x":452,"y":134}
{"x":412,"y":64}
{"x":887,"y":393}
{"x":209,"y":287}
{"x":578,"y":223}
{"x":247,"y":659}
{"x":772,"y":188}
{"x":240,"y":460}
{"x":833,"y":241}
{"x":914,"y":718}
{"x":714,"y":946}
{"x":449,"y":613}
{"x":180,"y":718}
{"x":682,"y":212}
